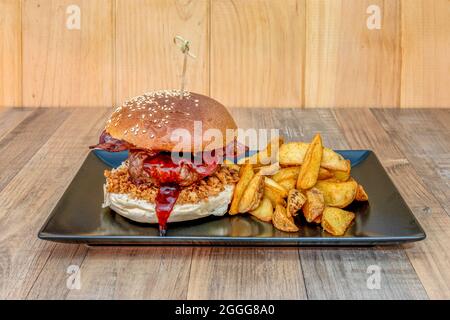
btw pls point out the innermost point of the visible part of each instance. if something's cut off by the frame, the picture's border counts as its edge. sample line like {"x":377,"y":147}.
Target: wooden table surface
{"x":42,"y":149}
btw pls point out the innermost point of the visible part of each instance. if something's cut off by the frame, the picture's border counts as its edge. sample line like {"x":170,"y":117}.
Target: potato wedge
{"x":286,"y":173}
{"x":318,"y":220}
{"x":282,"y":222}
{"x":288,"y":184}
{"x":336,"y":221}
{"x":274,"y":197}
{"x":341,"y":175}
{"x":293,"y":154}
{"x":276,"y":187}
{"x":246,"y":174}
{"x":264,"y":211}
{"x":361,"y":194}
{"x":309,"y":171}
{"x":252,"y":195}
{"x":266,"y":156}
{"x":292,"y":173}
{"x":324,"y":174}
{"x":338,"y":194}
{"x":314,"y":204}
{"x":295,"y":202}
{"x":268,"y":170}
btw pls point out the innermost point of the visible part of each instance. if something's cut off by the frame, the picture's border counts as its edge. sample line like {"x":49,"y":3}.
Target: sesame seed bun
{"x":148,"y":121}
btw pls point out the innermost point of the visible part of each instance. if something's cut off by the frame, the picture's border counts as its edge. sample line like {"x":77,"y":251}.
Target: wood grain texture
{"x":348,"y":65}
{"x":257,"y":52}
{"x":246,"y":273}
{"x":35,"y":269}
{"x":10,"y":53}
{"x":425,"y":59}
{"x":10,"y":118}
{"x":418,"y":134}
{"x":146,"y":57}
{"x":33,"y":191}
{"x":134,"y":273}
{"x":15,"y":147}
{"x":64,"y":67}
{"x":430,"y":257}
{"x":251,"y":53}
{"x":343,"y":274}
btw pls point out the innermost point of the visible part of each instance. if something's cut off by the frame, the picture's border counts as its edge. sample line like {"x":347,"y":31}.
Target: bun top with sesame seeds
{"x":165,"y":121}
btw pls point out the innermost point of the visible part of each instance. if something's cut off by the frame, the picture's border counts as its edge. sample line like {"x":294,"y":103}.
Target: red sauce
{"x":165,"y":200}
{"x":167,"y":172}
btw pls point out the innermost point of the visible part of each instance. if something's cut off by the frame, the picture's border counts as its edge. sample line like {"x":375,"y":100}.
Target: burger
{"x":174,"y":172}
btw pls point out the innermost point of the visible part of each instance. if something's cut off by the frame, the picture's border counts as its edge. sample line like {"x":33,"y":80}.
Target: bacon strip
{"x":108,"y":143}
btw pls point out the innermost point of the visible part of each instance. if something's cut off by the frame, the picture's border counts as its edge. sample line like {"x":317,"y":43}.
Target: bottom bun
{"x":144,"y":211}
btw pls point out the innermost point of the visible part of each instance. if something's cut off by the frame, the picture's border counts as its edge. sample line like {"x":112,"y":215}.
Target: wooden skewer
{"x":184,"y":47}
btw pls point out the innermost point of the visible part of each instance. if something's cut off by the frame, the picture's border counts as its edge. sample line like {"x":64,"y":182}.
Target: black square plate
{"x":78,"y":217}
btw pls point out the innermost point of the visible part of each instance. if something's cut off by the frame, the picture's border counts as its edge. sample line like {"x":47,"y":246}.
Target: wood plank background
{"x":251,"y":53}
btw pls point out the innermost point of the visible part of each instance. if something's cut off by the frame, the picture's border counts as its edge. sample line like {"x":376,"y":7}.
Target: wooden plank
{"x":10,"y":118}
{"x":63,"y":67}
{"x":31,"y":194}
{"x":246,"y":273}
{"x":20,"y":145}
{"x":51,"y":283}
{"x":257,"y":52}
{"x":146,"y":57}
{"x":10,"y":53}
{"x":425,"y":47}
{"x":348,"y":65}
{"x":422,"y":138}
{"x":134,"y":273}
{"x":332,"y":269}
{"x":430,"y":257}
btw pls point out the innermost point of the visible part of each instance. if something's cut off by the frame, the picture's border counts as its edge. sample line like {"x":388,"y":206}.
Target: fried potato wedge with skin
{"x":293,"y":154}
{"x":264,"y":211}
{"x":309,"y":171}
{"x":314,"y":204}
{"x":361,"y":194}
{"x":282,"y":221}
{"x":275,"y":186}
{"x":268,"y":170}
{"x":288,"y":184}
{"x":338,"y":194}
{"x":246,"y":174}
{"x":274,"y":197}
{"x":295,"y":202}
{"x":266,"y":156}
{"x":252,"y":195}
{"x":292,"y":173}
{"x":343,"y":176}
{"x":324,"y":174}
{"x":286,"y":173}
{"x":336,"y":221}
